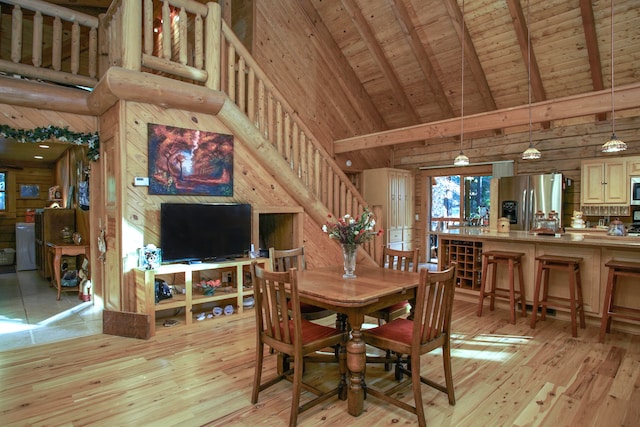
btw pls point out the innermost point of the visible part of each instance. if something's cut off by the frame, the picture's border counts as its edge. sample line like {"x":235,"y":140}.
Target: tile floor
{"x":30,"y":314}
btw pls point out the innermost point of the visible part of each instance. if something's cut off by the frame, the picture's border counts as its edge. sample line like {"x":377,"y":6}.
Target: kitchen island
{"x":466,"y":244}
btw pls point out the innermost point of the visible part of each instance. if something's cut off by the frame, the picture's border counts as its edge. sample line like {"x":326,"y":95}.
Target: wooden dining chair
{"x":283,"y":260}
{"x":429,"y":330}
{"x":280,"y":325}
{"x":397,"y":260}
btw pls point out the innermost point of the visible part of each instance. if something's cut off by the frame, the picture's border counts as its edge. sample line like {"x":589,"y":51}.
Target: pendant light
{"x":614,"y":144}
{"x":532,"y":152}
{"x":462,"y":160}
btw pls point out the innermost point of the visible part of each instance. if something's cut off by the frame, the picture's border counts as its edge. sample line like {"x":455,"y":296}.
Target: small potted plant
{"x":209,"y":286}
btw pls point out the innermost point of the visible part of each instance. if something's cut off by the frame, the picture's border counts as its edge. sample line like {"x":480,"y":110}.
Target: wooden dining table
{"x":373,"y":288}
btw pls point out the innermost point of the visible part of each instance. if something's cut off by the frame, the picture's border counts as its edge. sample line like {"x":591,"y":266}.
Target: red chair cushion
{"x":399,"y":330}
{"x":313,"y":332}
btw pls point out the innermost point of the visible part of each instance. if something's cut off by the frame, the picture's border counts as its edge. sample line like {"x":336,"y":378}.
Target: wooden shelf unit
{"x":468,"y":255}
{"x":49,"y":223}
{"x":188,"y":305}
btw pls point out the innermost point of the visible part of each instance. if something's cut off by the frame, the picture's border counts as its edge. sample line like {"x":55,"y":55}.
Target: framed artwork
{"x":29,"y":190}
{"x":189,"y":162}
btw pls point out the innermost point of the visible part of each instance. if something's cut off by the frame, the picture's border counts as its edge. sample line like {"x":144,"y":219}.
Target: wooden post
{"x":212,"y":48}
{"x":131,"y":34}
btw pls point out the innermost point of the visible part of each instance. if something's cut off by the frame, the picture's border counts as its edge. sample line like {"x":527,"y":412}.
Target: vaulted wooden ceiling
{"x":407,"y":54}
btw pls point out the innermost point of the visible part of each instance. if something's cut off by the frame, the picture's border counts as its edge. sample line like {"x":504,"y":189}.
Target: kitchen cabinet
{"x":392,"y":189}
{"x":633,"y":165}
{"x":48,"y":228}
{"x":188,"y":302}
{"x":605,"y":182}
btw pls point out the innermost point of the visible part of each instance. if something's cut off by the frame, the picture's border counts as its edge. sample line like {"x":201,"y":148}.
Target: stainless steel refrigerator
{"x":520,"y":197}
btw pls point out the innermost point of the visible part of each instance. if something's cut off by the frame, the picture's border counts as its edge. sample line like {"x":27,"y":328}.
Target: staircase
{"x":198,"y":49}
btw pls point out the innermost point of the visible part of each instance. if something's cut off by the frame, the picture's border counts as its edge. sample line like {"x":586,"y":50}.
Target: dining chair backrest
{"x":278,"y":317}
{"x":400,"y":260}
{"x":284,"y":259}
{"x":434,"y":305}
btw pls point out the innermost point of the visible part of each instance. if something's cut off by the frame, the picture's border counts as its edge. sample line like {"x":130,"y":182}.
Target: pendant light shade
{"x":614,"y":144}
{"x":532,"y":152}
{"x":461,"y":159}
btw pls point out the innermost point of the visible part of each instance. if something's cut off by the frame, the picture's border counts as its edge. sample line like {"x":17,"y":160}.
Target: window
{"x":459,"y":198}
{"x":3,"y":191}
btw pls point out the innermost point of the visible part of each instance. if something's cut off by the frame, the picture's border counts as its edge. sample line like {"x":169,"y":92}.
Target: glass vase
{"x":349,"y":252}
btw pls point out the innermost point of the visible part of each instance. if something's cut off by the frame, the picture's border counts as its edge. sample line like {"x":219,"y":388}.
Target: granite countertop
{"x":581,"y":238}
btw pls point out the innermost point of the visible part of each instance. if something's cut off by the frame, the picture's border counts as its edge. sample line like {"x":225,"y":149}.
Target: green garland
{"x":37,"y":135}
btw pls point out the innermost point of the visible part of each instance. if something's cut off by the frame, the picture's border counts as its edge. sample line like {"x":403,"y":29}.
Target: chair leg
{"x":512,"y":294}
{"x":483,"y":286}
{"x":572,"y":301}
{"x":298,"y":366}
{"x":416,"y":384}
{"x":536,"y":296}
{"x":257,"y":376}
{"x":523,"y":304}
{"x":580,"y":299}
{"x":448,"y":374}
{"x":606,"y":319}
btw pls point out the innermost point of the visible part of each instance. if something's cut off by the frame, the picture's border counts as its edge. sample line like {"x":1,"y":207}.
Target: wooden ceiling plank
{"x":521,"y":27}
{"x":376,"y":51}
{"x":627,"y":97}
{"x":405,"y":20}
{"x":471,"y":56}
{"x":332,"y":55}
{"x":591,"y":38}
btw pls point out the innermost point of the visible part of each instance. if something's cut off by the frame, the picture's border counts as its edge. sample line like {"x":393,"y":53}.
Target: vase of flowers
{"x":351,"y":232}
{"x":209,"y":286}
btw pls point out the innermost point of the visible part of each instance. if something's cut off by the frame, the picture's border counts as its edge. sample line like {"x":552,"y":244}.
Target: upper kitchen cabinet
{"x":605,"y":182}
{"x":633,"y":165}
{"x":392,"y":189}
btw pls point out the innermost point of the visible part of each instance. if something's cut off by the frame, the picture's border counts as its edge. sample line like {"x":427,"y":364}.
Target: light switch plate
{"x":141,"y":181}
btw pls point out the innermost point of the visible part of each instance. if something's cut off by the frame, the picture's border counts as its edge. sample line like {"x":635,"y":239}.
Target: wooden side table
{"x":55,"y":252}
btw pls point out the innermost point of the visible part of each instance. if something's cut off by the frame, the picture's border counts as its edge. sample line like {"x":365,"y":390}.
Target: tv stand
{"x":192,"y":302}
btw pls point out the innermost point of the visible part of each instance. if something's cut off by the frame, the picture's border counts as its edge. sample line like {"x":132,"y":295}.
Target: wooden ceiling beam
{"x":372,"y":44}
{"x":405,"y":20}
{"x":591,"y":40}
{"x":627,"y":97}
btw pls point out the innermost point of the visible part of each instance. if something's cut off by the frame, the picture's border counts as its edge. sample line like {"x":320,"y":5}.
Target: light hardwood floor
{"x":505,"y":375}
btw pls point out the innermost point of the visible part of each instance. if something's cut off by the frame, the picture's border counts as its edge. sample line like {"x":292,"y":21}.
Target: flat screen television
{"x":196,"y":232}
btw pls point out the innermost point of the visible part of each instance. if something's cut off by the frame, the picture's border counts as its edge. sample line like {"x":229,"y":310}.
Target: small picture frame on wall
{"x":29,"y":191}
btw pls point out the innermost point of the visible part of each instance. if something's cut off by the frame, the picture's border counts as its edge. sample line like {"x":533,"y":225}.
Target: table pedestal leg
{"x":356,"y":361}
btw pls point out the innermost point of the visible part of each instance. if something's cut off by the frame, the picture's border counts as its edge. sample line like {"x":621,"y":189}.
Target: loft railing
{"x":72,"y":56}
{"x":188,"y":41}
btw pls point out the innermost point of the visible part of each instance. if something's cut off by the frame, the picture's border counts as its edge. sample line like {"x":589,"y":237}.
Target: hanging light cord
{"x":529,"y":70}
{"x":613,"y":103}
{"x":462,"y":81}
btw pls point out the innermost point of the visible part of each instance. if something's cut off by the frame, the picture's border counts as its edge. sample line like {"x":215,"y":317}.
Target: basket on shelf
{"x":7,"y":256}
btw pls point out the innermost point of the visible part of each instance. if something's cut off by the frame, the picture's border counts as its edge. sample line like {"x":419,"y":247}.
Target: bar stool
{"x":513,"y":260}
{"x":617,"y":269}
{"x":574,"y":303}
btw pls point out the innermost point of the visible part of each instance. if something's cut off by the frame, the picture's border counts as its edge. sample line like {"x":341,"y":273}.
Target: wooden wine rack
{"x":468,"y":256}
